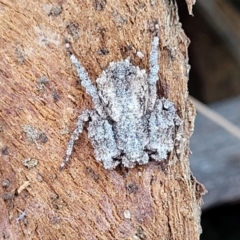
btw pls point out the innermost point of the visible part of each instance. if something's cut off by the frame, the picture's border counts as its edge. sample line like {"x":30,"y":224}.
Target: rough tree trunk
{"x":40,"y":101}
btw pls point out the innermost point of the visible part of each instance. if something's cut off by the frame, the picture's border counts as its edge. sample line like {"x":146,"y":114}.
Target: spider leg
{"x":101,"y":134}
{"x":85,"y":81}
{"x":84,"y":117}
{"x":153,"y":73}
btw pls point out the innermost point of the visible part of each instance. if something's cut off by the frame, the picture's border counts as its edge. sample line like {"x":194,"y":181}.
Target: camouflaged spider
{"x":129,"y":123}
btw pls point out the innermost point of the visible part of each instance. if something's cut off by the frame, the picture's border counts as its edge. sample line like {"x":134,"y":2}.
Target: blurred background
{"x":214,"y":56}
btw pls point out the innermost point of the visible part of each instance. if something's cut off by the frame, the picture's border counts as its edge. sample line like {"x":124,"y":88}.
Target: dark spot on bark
{"x":99,"y":4}
{"x":73,"y":30}
{"x":55,"y":11}
{"x":132,"y":188}
{"x":5,"y":183}
{"x":43,"y":138}
{"x":5,"y":151}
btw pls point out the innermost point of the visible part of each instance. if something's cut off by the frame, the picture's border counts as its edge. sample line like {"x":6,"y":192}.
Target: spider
{"x":129,"y":124}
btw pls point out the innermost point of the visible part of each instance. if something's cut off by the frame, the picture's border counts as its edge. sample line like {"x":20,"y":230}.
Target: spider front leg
{"x":85,"y":81}
{"x":153,"y":73}
{"x":84,"y":117}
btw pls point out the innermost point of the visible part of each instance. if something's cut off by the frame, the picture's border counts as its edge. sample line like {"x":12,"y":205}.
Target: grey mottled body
{"x":128,"y":124}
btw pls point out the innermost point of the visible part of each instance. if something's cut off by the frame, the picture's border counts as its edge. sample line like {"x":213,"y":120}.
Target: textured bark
{"x":40,"y":99}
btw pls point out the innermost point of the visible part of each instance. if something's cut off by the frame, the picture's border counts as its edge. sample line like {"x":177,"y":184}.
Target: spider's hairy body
{"x":129,"y":123}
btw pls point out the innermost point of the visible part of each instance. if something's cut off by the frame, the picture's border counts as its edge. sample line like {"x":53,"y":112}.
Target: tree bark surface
{"x":40,"y":102}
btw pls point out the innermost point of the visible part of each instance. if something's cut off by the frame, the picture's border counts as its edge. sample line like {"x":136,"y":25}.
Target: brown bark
{"x":40,"y":99}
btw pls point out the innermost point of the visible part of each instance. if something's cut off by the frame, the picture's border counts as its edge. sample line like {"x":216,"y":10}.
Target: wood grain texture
{"x":85,"y":201}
